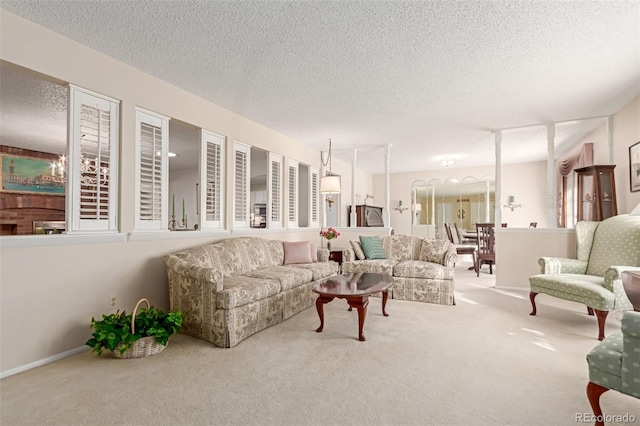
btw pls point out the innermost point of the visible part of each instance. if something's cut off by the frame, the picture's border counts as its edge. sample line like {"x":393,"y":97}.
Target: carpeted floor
{"x":482,"y":362}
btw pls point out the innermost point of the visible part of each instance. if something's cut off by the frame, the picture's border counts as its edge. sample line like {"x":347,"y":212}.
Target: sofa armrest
{"x":613,"y":283}
{"x":561,"y":265}
{"x":348,"y":255}
{"x":450,"y":257}
{"x":196,"y":272}
{"x":323,"y":255}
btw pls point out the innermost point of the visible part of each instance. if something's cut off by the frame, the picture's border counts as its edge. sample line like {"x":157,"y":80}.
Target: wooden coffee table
{"x":356,"y":288}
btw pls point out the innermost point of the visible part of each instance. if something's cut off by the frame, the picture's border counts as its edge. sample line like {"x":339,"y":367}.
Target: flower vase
{"x":328,"y":245}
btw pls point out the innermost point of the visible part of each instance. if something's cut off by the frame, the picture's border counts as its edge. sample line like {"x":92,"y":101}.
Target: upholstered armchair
{"x":615,"y":364}
{"x":605,"y":249}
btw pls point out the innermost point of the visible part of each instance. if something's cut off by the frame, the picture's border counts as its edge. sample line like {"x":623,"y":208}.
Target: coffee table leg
{"x":360,"y":303}
{"x":320,"y":301}
{"x":385,"y":296}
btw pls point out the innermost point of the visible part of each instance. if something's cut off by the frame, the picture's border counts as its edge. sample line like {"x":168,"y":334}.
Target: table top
{"x":353,"y":284}
{"x":631,"y":284}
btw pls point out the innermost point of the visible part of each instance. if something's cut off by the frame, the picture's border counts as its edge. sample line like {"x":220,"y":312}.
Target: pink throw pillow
{"x":314,"y":253}
{"x":297,"y":252}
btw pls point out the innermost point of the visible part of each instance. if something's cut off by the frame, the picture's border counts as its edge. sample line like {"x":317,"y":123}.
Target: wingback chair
{"x":605,"y":250}
{"x":615,"y":364}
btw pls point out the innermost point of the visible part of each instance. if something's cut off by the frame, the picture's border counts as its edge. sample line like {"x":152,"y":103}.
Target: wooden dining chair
{"x":461,"y":239}
{"x":486,"y":246}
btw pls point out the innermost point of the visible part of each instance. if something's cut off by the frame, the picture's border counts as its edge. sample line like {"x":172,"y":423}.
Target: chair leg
{"x":593,"y":394}
{"x":491,"y":268}
{"x":602,"y":318}
{"x":589,"y":310}
{"x":532,"y":297}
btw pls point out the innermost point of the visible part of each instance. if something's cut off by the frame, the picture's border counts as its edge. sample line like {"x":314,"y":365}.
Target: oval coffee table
{"x":356,"y":288}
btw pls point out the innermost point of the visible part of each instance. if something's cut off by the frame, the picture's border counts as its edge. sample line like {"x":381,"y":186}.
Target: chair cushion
{"x":605,"y":362}
{"x":372,"y":247}
{"x":587,"y":289}
{"x":421,"y":269}
{"x":287,"y":276}
{"x":319,"y":270}
{"x":378,"y":266}
{"x":357,"y":249}
{"x":240,"y":290}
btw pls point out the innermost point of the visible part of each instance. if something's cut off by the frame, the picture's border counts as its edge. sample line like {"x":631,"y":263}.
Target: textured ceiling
{"x":430,"y":78}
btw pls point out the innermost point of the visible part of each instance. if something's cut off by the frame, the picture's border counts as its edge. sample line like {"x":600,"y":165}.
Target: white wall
{"x":50,"y":288}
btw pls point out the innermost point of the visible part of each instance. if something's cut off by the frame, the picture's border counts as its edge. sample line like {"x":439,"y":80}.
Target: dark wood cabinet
{"x":367,"y":215}
{"x":596,"y":193}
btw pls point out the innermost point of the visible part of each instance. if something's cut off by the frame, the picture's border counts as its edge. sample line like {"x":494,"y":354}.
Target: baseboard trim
{"x":41,"y":362}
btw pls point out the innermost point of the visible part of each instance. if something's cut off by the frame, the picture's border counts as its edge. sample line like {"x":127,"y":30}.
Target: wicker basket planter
{"x":117,"y":332}
{"x":145,"y":346}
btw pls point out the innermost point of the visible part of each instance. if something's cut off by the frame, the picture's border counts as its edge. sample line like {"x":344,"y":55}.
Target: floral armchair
{"x":605,"y":250}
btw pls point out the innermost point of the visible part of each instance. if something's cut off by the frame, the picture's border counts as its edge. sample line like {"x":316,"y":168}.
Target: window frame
{"x":144,"y":116}
{"x":208,"y":137}
{"x":77,"y":97}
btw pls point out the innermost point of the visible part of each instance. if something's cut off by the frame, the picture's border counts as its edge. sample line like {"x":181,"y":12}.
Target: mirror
{"x":463,"y":202}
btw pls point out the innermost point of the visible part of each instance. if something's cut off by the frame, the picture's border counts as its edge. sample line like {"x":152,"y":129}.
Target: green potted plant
{"x":134,"y":336}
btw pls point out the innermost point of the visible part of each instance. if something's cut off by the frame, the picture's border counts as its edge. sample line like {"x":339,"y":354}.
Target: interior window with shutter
{"x":241,"y":155}
{"x":314,"y":192}
{"x":152,"y":142}
{"x":212,"y":178}
{"x":274,"y":189}
{"x":292,"y":192}
{"x":93,"y":162}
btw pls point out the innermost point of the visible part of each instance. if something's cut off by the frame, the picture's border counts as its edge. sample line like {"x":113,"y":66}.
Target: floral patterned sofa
{"x":605,"y":250}
{"x":422,"y":268}
{"x":235,"y":288}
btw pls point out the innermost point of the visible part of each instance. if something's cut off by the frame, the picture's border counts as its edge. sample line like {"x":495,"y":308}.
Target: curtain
{"x":580,"y":157}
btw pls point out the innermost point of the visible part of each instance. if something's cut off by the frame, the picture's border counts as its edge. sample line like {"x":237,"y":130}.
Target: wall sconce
{"x":400,"y":208}
{"x":329,"y":184}
{"x":367,"y":196}
{"x":512,"y":205}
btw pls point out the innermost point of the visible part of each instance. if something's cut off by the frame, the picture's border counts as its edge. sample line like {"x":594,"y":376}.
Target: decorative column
{"x":352,"y":217}
{"x":552,"y":221}
{"x":487,"y":206}
{"x":387,"y":191}
{"x":323,"y":198}
{"x":610,"y":137}
{"x":433,"y":205}
{"x":497,"y":204}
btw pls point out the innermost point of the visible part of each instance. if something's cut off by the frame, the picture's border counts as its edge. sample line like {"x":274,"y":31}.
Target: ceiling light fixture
{"x":329,"y":184}
{"x":447,"y":161}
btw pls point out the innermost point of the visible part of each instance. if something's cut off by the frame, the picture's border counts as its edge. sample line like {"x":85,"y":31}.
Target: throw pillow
{"x":297,"y":252}
{"x":357,"y":249}
{"x":314,"y":252}
{"x":372,"y":247}
{"x":433,"y":250}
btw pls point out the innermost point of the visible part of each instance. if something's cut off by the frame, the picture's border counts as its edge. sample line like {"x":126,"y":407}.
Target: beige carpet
{"x":482,"y":362}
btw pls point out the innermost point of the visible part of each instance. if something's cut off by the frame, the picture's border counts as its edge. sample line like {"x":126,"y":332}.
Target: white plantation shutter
{"x":242,"y":159}
{"x":152,"y":144}
{"x":274,"y":191}
{"x":92,"y":162}
{"x":292,"y":192}
{"x":212,"y":178}
{"x":314,"y":199}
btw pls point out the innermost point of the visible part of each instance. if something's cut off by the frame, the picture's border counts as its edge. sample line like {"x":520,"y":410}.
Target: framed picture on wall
{"x":634,"y":167}
{"x":31,"y":175}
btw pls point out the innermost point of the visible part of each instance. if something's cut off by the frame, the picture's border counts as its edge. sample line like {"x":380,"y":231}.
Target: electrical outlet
{"x":113,"y":302}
